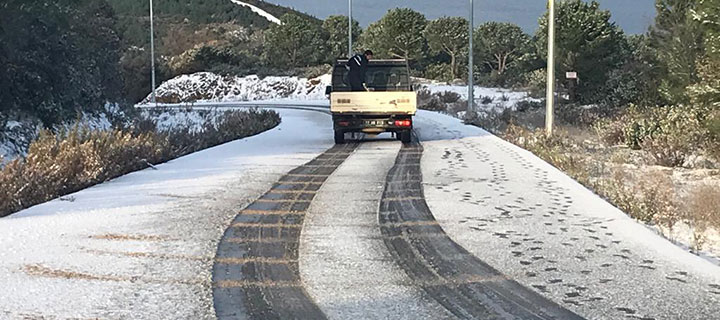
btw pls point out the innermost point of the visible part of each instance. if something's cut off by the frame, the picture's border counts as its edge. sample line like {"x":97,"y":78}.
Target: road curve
{"x":142,"y":245}
{"x":482,"y":245}
{"x":256,"y":267}
{"x":466,"y":286}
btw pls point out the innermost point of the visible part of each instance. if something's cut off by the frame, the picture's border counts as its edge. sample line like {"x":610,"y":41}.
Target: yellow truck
{"x":388,"y":105}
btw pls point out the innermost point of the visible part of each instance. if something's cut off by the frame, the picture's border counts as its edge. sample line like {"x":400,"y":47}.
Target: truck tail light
{"x":403,"y":123}
{"x":344,"y":123}
{"x":343,"y":101}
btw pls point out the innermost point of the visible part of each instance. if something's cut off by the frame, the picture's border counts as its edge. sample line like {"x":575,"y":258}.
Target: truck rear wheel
{"x":405,"y":136}
{"x":339,"y":137}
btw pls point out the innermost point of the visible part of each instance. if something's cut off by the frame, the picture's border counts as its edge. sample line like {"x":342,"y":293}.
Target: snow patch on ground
{"x":99,"y":122}
{"x":259,"y":11}
{"x":497,"y":95}
{"x":488,"y":100}
{"x":191,"y":119}
{"x":210,"y":87}
{"x":15,"y":138}
{"x":207,"y":87}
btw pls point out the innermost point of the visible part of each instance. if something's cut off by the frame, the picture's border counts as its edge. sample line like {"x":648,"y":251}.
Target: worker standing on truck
{"x":357,"y":66}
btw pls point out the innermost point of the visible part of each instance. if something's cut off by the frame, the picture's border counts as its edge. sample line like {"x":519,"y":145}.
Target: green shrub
{"x":449,"y":97}
{"x":537,"y":81}
{"x":555,"y":149}
{"x":486,"y":100}
{"x":610,"y":132}
{"x":492,"y":120}
{"x":433,"y":104}
{"x":439,"y":71}
{"x":446,"y":101}
{"x":639,"y":125}
{"x":526,"y":105}
{"x":577,"y":115}
{"x":669,"y":134}
{"x":713,"y":127}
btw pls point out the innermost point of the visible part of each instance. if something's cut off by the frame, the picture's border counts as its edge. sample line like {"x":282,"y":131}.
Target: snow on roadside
{"x":15,"y":137}
{"x":496,"y":94}
{"x":192,"y":119}
{"x":562,"y":235}
{"x":141,"y":246}
{"x":210,"y":87}
{"x":259,"y":11}
{"x":489,"y":100}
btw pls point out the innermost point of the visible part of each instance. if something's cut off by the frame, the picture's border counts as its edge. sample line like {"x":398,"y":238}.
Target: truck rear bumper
{"x":369,"y":123}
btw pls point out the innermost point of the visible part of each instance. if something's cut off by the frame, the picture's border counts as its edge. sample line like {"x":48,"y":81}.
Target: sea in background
{"x":634,"y":16}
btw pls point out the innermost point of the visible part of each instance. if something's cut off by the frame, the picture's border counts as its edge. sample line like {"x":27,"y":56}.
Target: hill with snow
{"x":259,"y":11}
{"x":210,"y":87}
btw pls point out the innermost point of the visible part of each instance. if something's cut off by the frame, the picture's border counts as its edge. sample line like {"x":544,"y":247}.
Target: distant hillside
{"x":134,"y":26}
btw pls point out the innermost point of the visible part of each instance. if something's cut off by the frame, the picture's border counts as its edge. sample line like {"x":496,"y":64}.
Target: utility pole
{"x":350,"y":30}
{"x":152,"y":52}
{"x":550,"y":98}
{"x":471,"y":88}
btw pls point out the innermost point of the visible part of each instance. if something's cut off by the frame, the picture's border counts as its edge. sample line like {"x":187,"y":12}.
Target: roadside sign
{"x":571,"y":75}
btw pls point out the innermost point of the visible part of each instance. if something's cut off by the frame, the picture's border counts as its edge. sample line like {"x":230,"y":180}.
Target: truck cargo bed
{"x":397,"y":102}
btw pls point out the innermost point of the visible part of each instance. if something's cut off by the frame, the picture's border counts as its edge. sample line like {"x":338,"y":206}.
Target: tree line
{"x":68,"y":55}
{"x":675,"y":61}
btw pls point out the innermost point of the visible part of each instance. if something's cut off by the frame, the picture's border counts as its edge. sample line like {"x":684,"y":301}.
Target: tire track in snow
{"x":256,"y":274}
{"x":461,"y":282}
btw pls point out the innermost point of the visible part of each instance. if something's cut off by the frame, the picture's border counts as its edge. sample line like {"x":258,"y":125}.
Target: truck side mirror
{"x":328,"y":90}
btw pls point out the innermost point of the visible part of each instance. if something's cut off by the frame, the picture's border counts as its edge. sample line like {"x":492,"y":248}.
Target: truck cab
{"x":388,"y":105}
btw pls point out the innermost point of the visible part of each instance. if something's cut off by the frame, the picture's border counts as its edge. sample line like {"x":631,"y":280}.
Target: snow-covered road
{"x":143,"y":246}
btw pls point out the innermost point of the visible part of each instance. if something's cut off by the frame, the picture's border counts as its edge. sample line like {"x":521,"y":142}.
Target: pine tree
{"x":678,"y":41}
{"x":500,"y":45}
{"x":588,"y":43}
{"x":399,"y":34}
{"x":449,"y":36}
{"x":59,"y":57}
{"x":707,"y":91}
{"x":337,"y":29}
{"x":297,"y":42}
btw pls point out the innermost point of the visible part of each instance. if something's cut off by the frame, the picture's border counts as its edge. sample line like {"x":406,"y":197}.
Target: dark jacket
{"x":357,"y":66}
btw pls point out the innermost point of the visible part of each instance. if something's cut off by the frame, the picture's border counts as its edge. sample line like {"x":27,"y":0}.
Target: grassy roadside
{"x":660,"y":166}
{"x":659,"y":196}
{"x":61,"y":163}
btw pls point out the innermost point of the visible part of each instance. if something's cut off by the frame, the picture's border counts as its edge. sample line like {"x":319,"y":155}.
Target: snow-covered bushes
{"x":207,"y":86}
{"x":62,"y":163}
